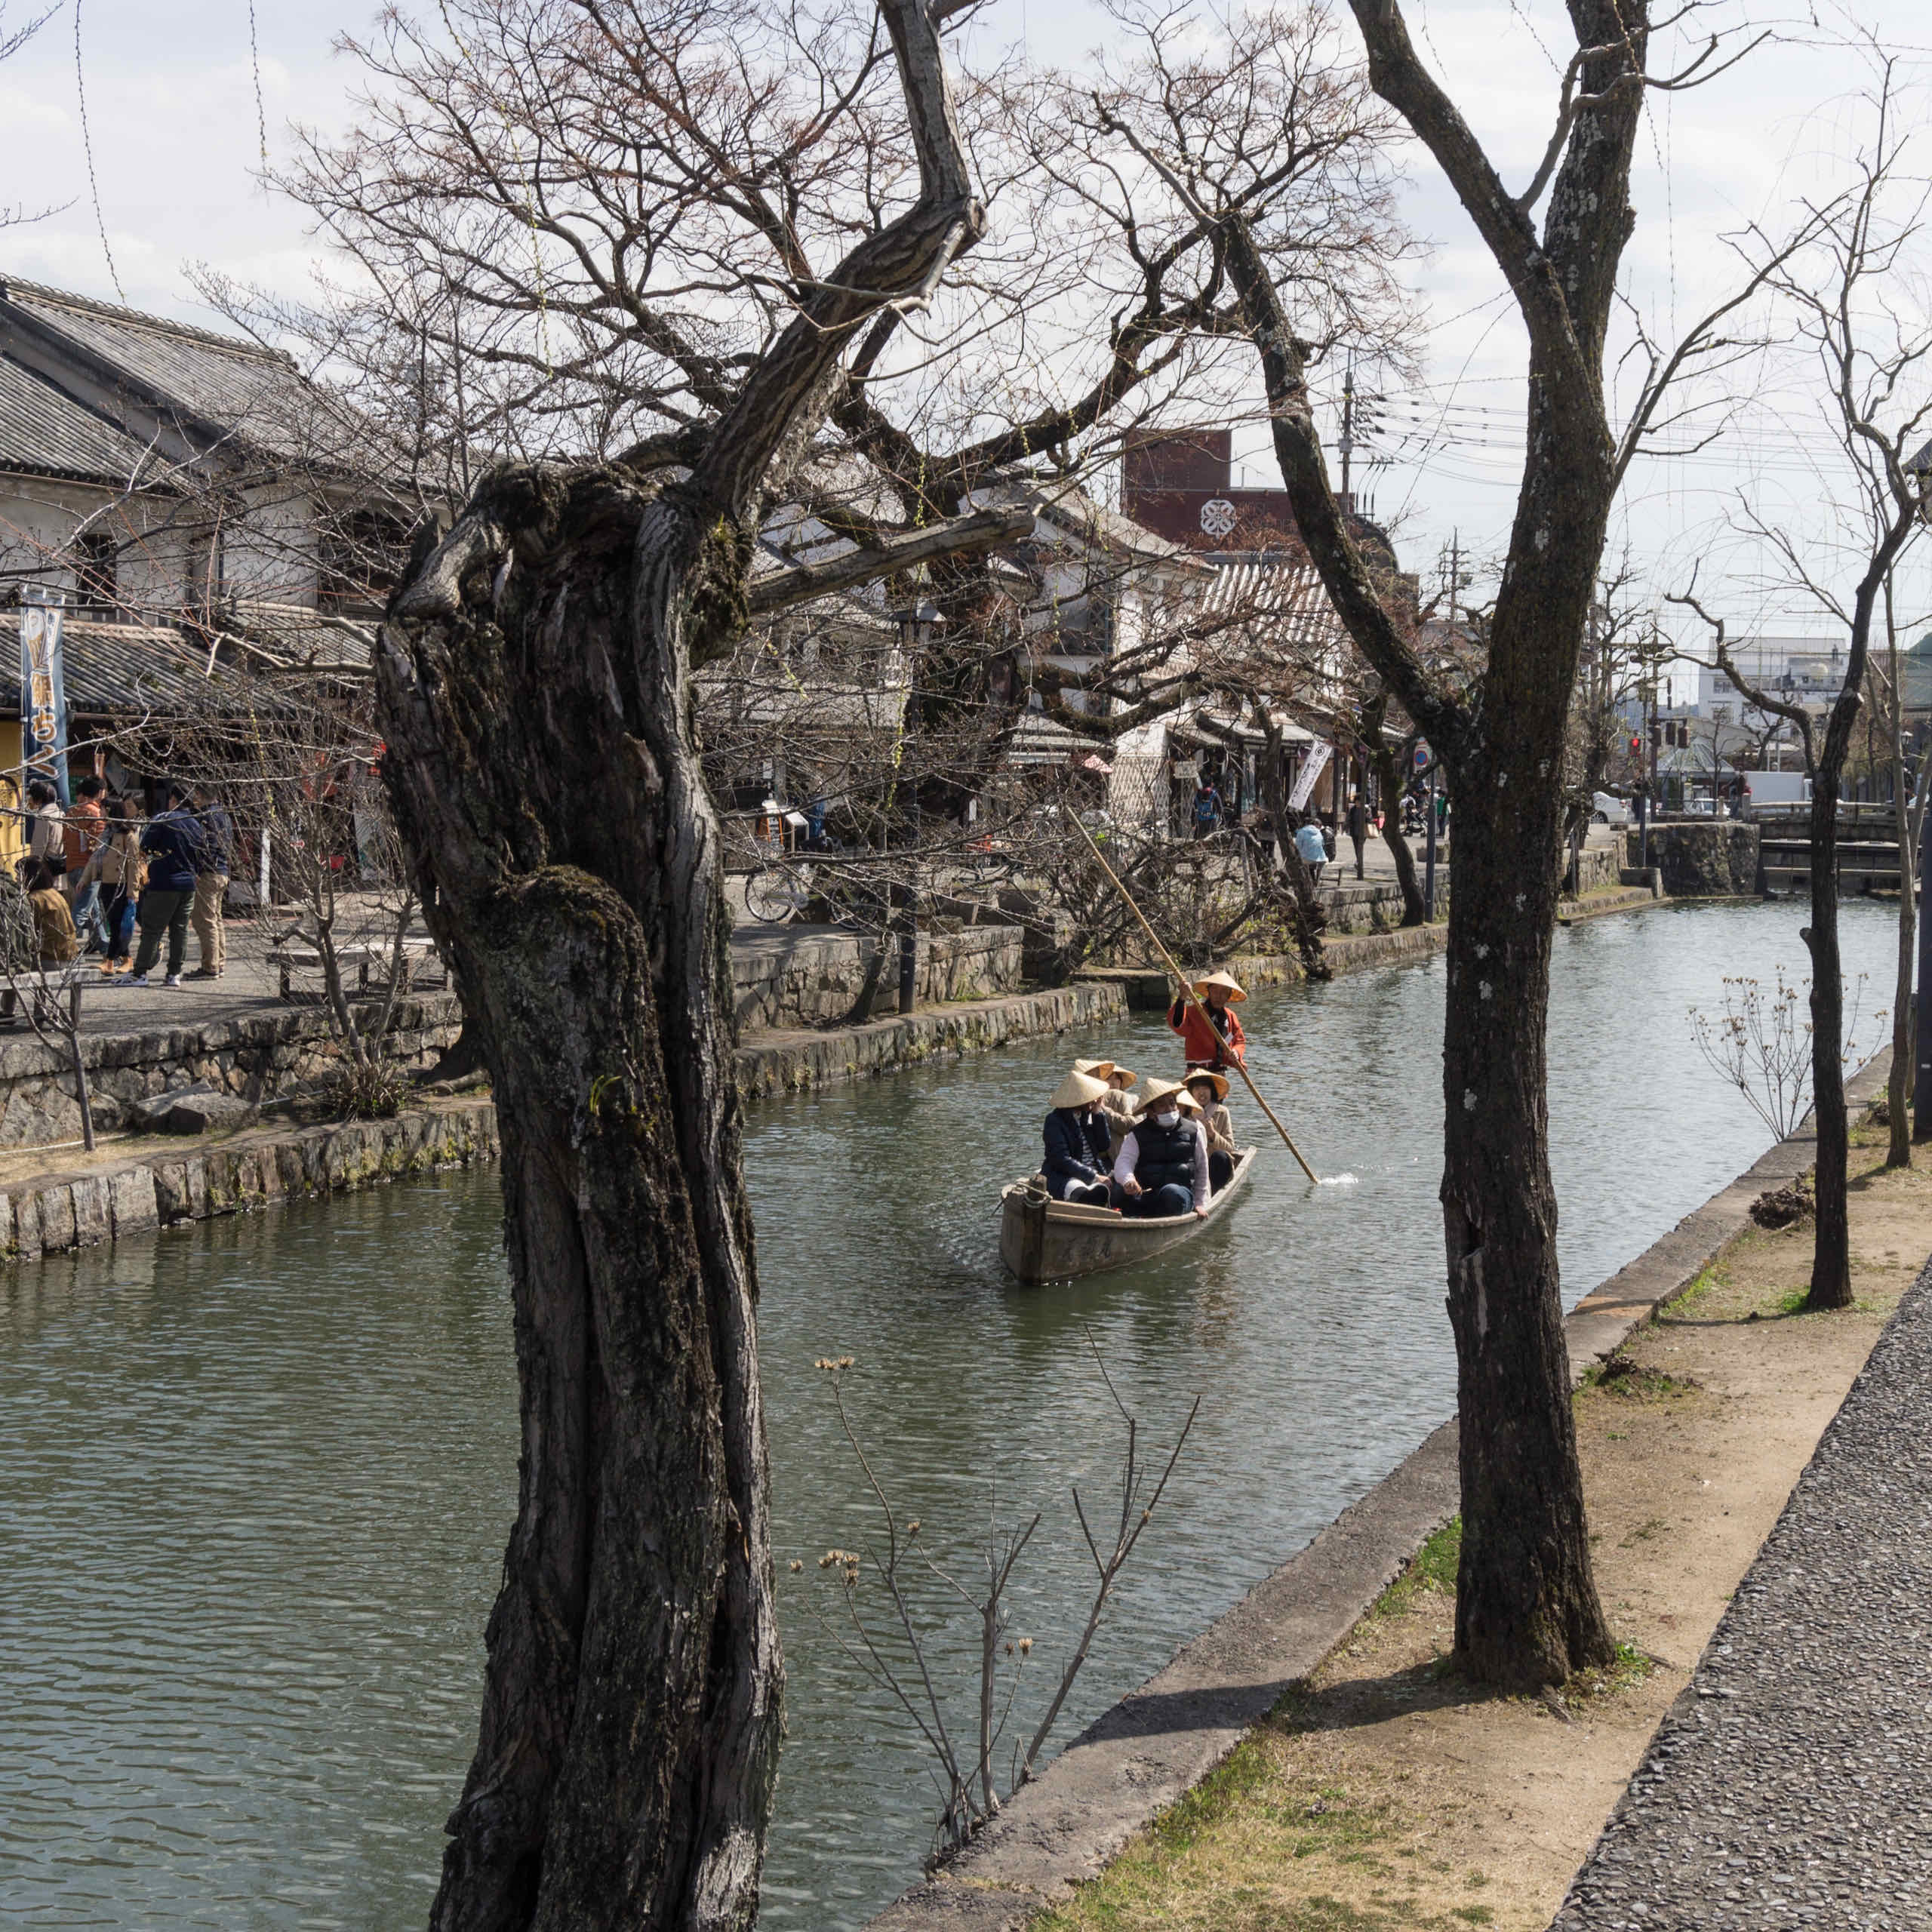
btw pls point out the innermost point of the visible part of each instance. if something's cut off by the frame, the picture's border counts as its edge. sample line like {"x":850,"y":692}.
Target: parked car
{"x":1607,"y":809}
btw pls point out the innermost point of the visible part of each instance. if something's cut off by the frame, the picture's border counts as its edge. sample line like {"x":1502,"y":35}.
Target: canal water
{"x":258,"y":1474}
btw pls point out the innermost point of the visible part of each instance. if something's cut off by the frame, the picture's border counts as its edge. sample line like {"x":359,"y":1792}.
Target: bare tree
{"x":1869,"y":341}
{"x":895,"y":1652}
{"x":1527,"y":1611}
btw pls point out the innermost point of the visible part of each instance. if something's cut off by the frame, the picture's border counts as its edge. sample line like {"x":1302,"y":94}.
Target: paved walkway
{"x":1791,"y":1786}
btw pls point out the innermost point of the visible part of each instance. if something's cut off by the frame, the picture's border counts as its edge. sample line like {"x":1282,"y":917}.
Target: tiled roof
{"x":48,"y":434}
{"x":257,"y":395}
{"x":118,"y":670}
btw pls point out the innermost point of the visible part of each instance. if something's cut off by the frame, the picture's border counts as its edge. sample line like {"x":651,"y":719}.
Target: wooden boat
{"x":1044,"y":1240}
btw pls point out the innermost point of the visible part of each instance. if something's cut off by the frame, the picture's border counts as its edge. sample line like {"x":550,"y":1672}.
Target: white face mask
{"x":1168,"y":1118}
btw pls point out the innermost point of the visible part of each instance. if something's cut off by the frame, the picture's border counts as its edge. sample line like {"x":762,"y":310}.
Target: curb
{"x":1160,"y":1740}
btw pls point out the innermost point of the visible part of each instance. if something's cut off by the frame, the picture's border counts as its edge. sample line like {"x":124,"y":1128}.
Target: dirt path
{"x":1388,"y":1796}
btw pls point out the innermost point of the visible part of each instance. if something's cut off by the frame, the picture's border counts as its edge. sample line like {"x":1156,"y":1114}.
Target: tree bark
{"x":543,"y":771}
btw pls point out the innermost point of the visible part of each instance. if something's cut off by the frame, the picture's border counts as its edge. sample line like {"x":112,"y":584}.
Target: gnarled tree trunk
{"x":541,"y":763}
{"x":533,"y":676}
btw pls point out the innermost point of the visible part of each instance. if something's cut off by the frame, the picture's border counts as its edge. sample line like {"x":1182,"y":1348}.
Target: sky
{"x":181,"y":99}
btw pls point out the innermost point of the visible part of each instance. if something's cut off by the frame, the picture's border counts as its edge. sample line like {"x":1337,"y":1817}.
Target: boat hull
{"x":1041,"y":1240}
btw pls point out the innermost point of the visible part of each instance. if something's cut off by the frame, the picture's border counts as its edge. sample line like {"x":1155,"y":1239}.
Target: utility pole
{"x":1347,"y":443}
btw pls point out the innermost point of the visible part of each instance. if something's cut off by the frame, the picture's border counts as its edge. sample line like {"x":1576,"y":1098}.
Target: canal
{"x":259,"y":1473}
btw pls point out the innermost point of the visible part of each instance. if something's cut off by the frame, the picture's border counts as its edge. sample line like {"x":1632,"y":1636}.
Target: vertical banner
{"x":43,"y":697}
{"x":1312,"y":767}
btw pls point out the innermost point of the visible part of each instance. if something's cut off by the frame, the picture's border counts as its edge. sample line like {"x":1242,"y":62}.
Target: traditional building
{"x":150,"y":469}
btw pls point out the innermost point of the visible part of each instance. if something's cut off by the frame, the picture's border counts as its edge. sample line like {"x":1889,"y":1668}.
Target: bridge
{"x":1868,"y":848}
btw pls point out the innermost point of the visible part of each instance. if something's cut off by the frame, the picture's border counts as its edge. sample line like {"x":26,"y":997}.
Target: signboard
{"x":1312,"y":767}
{"x":43,"y":697}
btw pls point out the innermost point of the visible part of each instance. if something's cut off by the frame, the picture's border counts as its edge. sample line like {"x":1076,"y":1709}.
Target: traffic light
{"x":1636,"y":745}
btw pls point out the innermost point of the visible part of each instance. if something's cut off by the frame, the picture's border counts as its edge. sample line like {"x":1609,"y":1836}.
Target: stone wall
{"x":810,"y":976}
{"x":793,"y":1063}
{"x":1701,"y":858}
{"x":52,"y":1213}
{"x":257,"y":1056}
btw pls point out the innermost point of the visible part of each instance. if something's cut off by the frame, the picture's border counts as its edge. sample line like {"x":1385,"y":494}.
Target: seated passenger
{"x":1162,"y":1167}
{"x":1077,"y":1138}
{"x":1209,"y":1090}
{"x":1117,"y":1103}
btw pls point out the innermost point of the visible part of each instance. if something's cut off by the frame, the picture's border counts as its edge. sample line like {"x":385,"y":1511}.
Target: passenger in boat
{"x":1162,"y":1167}
{"x":1117,"y":1103}
{"x":1077,"y":1138}
{"x":1212,"y":1038}
{"x":1209,"y":1090}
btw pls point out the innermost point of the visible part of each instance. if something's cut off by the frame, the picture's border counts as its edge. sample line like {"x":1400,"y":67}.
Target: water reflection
{"x":258,"y":1475}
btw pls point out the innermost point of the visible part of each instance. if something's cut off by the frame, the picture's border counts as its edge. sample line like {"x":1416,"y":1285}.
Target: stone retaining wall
{"x":785,"y":976}
{"x":793,"y":1062}
{"x":1710,"y":858}
{"x":258,"y":1056}
{"x":52,"y":1213}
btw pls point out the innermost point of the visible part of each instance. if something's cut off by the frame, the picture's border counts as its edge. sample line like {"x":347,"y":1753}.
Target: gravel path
{"x":1791,"y":1786}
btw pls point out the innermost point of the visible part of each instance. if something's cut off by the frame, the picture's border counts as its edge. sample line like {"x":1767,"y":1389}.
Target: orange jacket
{"x":1200,"y":1042}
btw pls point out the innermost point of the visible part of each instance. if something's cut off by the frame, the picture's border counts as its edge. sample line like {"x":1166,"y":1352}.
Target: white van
{"x":1776,"y":788}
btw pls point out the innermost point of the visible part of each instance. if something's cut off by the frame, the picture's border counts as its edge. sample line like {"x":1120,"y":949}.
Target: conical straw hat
{"x":1078,"y":1090}
{"x":1187,"y":1103}
{"x":1219,"y":1080}
{"x":1099,"y":1069}
{"x":1127,"y":1074}
{"x":1157,"y":1091}
{"x":1226,"y":979}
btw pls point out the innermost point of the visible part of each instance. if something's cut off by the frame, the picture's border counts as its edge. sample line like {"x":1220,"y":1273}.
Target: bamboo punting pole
{"x":1187,"y":992}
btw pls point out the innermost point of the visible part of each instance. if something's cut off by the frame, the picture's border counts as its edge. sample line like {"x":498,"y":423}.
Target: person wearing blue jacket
{"x":173,"y":844}
{"x":1077,"y":1136}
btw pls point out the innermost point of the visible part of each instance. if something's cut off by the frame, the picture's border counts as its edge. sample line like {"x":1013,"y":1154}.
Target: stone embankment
{"x":786,"y":977}
{"x":796,"y":1061}
{"x":257,"y":1056}
{"x":150,"y":1185}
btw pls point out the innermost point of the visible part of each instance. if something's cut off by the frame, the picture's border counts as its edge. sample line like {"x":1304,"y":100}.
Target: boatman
{"x":1162,"y":1167}
{"x":1077,"y":1137}
{"x":1211,"y":1037}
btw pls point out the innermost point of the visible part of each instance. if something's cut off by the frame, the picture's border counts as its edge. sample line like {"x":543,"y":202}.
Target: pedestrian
{"x":119,"y":867}
{"x":55,"y":941}
{"x":1210,"y":1035}
{"x":1358,"y":832}
{"x":1207,"y":810}
{"x":81,"y":835}
{"x":1314,"y":852}
{"x":172,"y":843}
{"x":217,"y":857}
{"x":46,"y":826}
